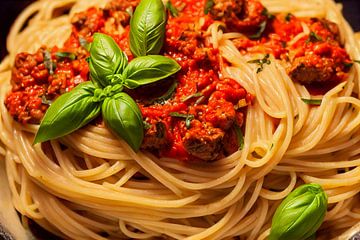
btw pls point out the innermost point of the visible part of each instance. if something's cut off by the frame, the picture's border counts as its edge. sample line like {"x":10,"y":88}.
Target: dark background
{"x":9,"y":9}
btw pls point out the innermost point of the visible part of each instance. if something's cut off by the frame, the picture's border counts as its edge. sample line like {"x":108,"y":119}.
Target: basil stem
{"x":261,"y":62}
{"x":147,"y":28}
{"x":106,"y":59}
{"x":148,"y":69}
{"x":300,"y":214}
{"x":195,"y":95}
{"x":312,"y":101}
{"x":122,"y":115}
{"x":68,"y":113}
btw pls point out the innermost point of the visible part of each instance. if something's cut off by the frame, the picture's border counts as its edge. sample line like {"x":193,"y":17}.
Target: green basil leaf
{"x":123,"y":117}
{"x":300,"y":214}
{"x":312,"y":101}
{"x":147,"y":28}
{"x":149,"y":69}
{"x":258,"y":34}
{"x":239,"y":136}
{"x":172,"y":9}
{"x":68,"y":113}
{"x":49,"y":63}
{"x":106,"y":59}
{"x":208,"y":6}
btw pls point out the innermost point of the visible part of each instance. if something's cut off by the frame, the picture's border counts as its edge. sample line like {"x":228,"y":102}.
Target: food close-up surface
{"x":180,"y":119}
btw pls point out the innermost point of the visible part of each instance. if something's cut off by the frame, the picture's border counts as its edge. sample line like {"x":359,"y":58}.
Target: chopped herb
{"x":195,"y":95}
{"x":348,"y":64}
{"x":49,"y":64}
{"x":266,"y":13}
{"x":208,"y":5}
{"x":350,"y":105}
{"x":146,"y":125}
{"x":68,"y":55}
{"x":272,"y":145}
{"x":261,"y":62}
{"x":283,"y":44}
{"x":130,"y":11}
{"x":169,"y":93}
{"x":257,"y":35}
{"x":84,"y":43}
{"x":45,"y":101}
{"x":87,"y":59}
{"x":357,"y":61}
{"x":313,"y":37}
{"x":188,"y":117}
{"x":312,"y":101}
{"x":288,"y":17}
{"x":200,"y":99}
{"x":239,"y":136}
{"x":172,"y":9}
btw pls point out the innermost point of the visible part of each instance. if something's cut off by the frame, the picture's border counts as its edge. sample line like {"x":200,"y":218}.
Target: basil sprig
{"x":110,"y":73}
{"x":300,"y":214}
{"x":147,"y":28}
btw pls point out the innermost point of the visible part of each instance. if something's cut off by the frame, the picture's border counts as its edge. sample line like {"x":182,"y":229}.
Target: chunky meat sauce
{"x":195,"y":114}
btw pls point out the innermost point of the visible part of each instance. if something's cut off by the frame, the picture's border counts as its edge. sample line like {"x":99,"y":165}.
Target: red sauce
{"x":213,"y":105}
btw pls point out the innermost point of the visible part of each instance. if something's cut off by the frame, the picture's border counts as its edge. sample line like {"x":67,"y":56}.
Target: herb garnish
{"x":267,"y":14}
{"x":239,"y":136}
{"x":188,"y":117}
{"x":110,"y":73}
{"x":84,"y":43}
{"x":312,"y":101}
{"x":195,"y":95}
{"x":208,"y":5}
{"x":357,"y":61}
{"x":172,"y":9}
{"x":258,"y":34}
{"x":288,"y":17}
{"x":68,"y":55}
{"x":261,"y":62}
{"x":167,"y":95}
{"x":313,"y":37}
{"x":48,"y":62}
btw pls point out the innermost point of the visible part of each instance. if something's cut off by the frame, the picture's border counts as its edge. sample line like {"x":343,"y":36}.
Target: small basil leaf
{"x":106,"y":58}
{"x":208,"y":6}
{"x":239,"y":136}
{"x":172,"y":9}
{"x":149,"y":69}
{"x":258,"y":34}
{"x":312,"y":101}
{"x":147,"y":28}
{"x":123,"y":117}
{"x":300,"y":214}
{"x":68,"y":113}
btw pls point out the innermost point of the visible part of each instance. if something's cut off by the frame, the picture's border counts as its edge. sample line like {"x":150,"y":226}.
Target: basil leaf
{"x":172,"y":9}
{"x":149,"y":69}
{"x":123,"y":117}
{"x":68,"y":55}
{"x":208,"y":6}
{"x":147,"y":28}
{"x":68,"y":113}
{"x":106,"y":59}
{"x":239,"y":136}
{"x":84,"y":43}
{"x":258,"y":34}
{"x":195,"y":95}
{"x":300,"y":214}
{"x":312,"y":101}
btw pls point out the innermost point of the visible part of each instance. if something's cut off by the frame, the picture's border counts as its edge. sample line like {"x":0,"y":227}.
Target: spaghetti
{"x":92,"y":185}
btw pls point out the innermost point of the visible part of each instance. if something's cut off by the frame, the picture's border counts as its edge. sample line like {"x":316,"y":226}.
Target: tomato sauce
{"x":199,"y":118}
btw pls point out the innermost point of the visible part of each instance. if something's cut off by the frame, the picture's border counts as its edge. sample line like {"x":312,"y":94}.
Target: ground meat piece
{"x":325,"y":28}
{"x":225,"y":8}
{"x":203,"y":141}
{"x":155,"y":137}
{"x":120,"y":5}
{"x":89,"y":22}
{"x":311,"y":69}
{"x":239,"y":15}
